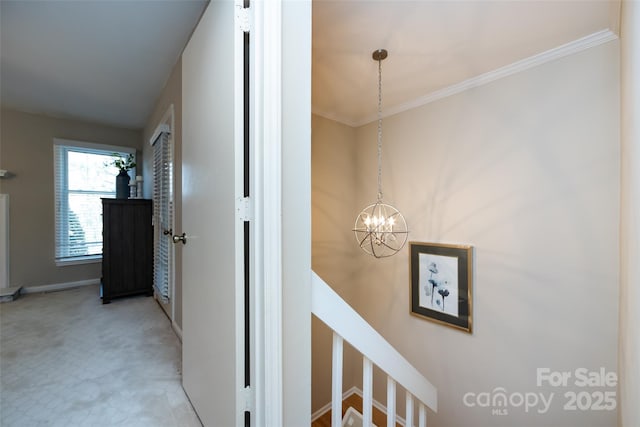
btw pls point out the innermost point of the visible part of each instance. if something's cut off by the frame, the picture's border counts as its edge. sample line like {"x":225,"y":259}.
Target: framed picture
{"x":441,"y":282}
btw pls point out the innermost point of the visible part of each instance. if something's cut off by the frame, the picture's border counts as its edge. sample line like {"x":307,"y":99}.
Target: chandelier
{"x":380,"y":229}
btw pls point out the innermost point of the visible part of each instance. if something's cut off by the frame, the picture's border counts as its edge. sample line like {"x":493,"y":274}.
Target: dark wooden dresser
{"x":127,"y":251}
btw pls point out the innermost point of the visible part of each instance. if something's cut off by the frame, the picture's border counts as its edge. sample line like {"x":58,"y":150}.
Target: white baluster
{"x":422,"y":416}
{"x":336,"y":382}
{"x":391,"y":402}
{"x":367,"y":386}
{"x":409,"y":411}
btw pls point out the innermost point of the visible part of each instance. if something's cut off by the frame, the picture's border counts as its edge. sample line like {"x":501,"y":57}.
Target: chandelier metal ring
{"x":381,"y":230}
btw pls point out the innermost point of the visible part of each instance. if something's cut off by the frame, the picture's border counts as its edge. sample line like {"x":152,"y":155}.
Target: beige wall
{"x":333,"y":177}
{"x":26,"y":149}
{"x":526,"y":169}
{"x":171,"y":95}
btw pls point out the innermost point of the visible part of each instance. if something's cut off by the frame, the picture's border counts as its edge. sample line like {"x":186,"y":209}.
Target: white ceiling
{"x":107,"y":60}
{"x":102,"y":61}
{"x":432,"y":45}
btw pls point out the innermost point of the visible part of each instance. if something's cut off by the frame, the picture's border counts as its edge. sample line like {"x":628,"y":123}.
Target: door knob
{"x":182,"y":238}
{"x":168,"y":232}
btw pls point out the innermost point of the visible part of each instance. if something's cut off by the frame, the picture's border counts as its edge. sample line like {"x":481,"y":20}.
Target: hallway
{"x":68,"y":360}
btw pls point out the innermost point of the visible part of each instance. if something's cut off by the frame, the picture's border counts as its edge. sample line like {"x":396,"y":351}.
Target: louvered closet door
{"x":163,"y":215}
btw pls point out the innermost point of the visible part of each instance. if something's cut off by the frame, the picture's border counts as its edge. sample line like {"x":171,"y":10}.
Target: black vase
{"x":122,"y":185}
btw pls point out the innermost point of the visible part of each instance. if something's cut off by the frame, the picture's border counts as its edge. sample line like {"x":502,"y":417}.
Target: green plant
{"x":125,"y":163}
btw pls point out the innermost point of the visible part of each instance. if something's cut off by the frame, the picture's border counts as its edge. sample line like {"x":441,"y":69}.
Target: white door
{"x":212,"y":280}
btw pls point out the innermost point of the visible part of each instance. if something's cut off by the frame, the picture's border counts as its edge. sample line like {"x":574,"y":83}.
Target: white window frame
{"x":62,"y":186}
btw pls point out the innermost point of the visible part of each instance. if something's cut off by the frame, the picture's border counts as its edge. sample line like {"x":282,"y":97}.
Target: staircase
{"x":349,"y":326}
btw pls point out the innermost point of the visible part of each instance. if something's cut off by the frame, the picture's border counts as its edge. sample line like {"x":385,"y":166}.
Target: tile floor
{"x":67,"y":360}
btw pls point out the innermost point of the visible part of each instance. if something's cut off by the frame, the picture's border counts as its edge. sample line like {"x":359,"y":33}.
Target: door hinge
{"x":247,"y":394}
{"x":243,"y":18}
{"x":244,"y":208}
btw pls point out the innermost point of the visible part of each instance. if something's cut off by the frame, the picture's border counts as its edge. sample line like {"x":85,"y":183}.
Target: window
{"x":83,"y":175}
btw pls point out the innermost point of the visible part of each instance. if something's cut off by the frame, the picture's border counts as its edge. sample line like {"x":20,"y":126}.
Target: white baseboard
{"x":326,"y":408}
{"x":59,"y":286}
{"x":177,"y":330}
{"x":355,"y":390}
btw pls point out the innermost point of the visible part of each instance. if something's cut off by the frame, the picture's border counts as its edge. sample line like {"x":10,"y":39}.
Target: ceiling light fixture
{"x":380,"y":228}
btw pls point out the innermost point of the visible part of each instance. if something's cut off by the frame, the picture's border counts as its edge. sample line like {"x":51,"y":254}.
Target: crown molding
{"x":567,"y":49}
{"x":335,"y":117}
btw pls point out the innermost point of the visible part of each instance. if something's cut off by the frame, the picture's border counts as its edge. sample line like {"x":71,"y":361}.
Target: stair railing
{"x":347,"y":325}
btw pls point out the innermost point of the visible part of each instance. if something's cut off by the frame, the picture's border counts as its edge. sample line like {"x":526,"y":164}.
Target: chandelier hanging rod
{"x":380,"y":229}
{"x":379,"y":55}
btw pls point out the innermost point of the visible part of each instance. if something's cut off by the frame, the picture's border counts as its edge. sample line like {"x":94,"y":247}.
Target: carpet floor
{"x":67,"y":360}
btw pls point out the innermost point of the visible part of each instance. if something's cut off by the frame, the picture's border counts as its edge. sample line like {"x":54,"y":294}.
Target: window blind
{"x":163,"y":214}
{"x":83,"y":175}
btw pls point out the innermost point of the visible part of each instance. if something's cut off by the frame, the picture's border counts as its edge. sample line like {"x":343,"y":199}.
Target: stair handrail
{"x":332,"y":310}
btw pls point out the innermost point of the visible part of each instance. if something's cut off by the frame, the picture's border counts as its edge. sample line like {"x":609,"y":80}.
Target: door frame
{"x":281,"y":310}
{"x":266,"y":183}
{"x":263,"y":398}
{"x":243,"y":394}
